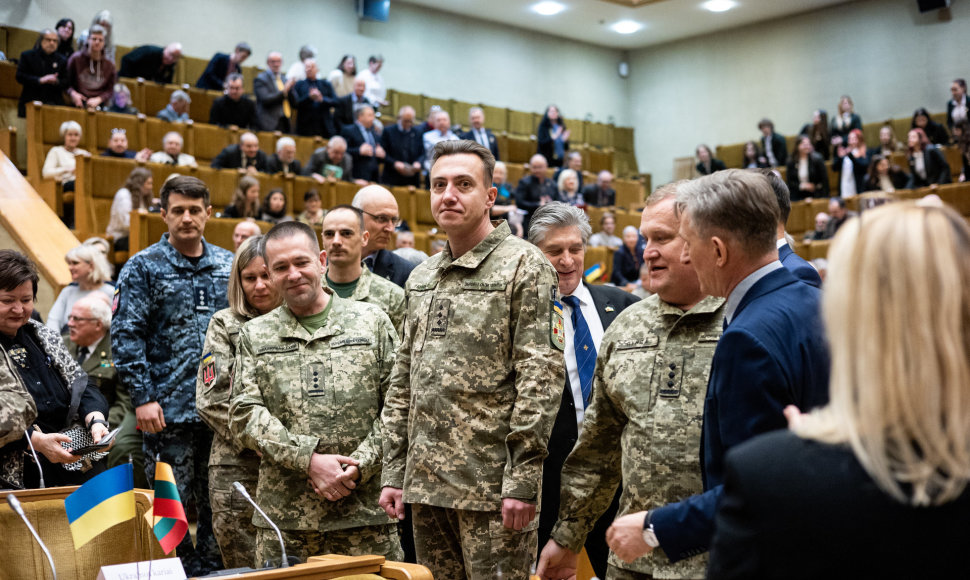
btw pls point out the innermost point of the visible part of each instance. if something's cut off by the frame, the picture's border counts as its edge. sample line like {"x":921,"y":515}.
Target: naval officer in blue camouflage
{"x":165,"y":296}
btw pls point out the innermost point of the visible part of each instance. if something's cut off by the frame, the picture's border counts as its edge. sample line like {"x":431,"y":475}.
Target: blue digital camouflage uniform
{"x":162,"y":306}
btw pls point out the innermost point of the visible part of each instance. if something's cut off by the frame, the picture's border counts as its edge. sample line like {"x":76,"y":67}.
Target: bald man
{"x":381,"y":217}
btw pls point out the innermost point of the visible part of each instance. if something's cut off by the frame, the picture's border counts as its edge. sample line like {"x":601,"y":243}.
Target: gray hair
{"x":283,"y":142}
{"x":475,"y":110}
{"x":97,"y":308}
{"x":736,"y":203}
{"x":556,"y":215}
{"x":173,"y":135}
{"x":413,"y":255}
{"x":360,"y":109}
{"x":233,"y":77}
{"x":248,"y":136}
{"x":336,"y":140}
{"x":180,"y":96}
{"x":69,"y":126}
{"x":307,"y":51}
{"x":630,"y":230}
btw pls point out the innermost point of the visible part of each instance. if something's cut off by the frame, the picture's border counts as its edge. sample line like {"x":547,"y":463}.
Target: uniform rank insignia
{"x":439,"y":316}
{"x":208,"y":369}
{"x":557,"y":332}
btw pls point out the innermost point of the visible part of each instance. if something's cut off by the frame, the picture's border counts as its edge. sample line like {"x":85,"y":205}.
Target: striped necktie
{"x":584,"y":347}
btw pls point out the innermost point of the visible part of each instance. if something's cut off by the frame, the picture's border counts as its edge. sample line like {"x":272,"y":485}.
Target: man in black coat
{"x":221,"y":66}
{"x":347,"y":104}
{"x":404,"y":151}
{"x":245,"y":156}
{"x":43,"y":73}
{"x":381,"y":217}
{"x":152,"y":63}
{"x":313,"y":98}
{"x":534,"y":189}
{"x":233,"y":108}
{"x":601,"y":193}
{"x":478,"y":133}
{"x":363,"y":144}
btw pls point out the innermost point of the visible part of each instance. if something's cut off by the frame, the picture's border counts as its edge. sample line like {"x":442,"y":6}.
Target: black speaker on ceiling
{"x":931,"y":5}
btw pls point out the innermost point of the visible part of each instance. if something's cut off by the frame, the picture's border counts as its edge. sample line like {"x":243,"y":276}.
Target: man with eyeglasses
{"x":381,"y":217}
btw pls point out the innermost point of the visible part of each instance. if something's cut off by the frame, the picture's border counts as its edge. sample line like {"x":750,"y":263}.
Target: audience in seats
{"x":91,"y":76}
{"x":60,"y":163}
{"x":574,"y":161}
{"x":934,"y":131}
{"x":331,"y":163}
{"x":118,"y":147}
{"x":888,"y":144}
{"x":233,"y":108}
{"x":221,"y":66}
{"x":806,"y":173}
{"x":838,"y":215}
{"x":272,"y":90}
{"x":818,"y":132}
{"x":643,"y":285}
{"x":245,"y":200}
{"x":177,"y":109}
{"x":844,"y":121}
{"x":65,"y":37}
{"x":752,"y":157}
{"x":151,"y":62}
{"x":313,"y":212}
{"x":297,"y":71}
{"x":171,"y":153}
{"x":788,"y":258}
{"x":627,"y":260}
{"x":504,"y":206}
{"x":404,"y":151}
{"x":273,"y":209}
{"x":478,"y":133}
{"x":958,"y":108}
{"x":314,"y":98}
{"x":121,"y":101}
{"x":243,"y":231}
{"x":927,"y":165}
{"x":104,"y":20}
{"x":773,"y":144}
{"x":821,"y":225}
{"x":885,"y":176}
{"x":43,"y":73}
{"x":441,"y":132}
{"x":535,"y":189}
{"x":568,"y":188}
{"x":363,"y":144}
{"x":284,"y":160}
{"x":428,"y":124}
{"x":376,"y":88}
{"x":244,"y":156}
{"x":706,"y":163}
{"x":601,"y":193}
{"x":606,"y":236}
{"x":552,"y":137}
{"x":349,"y":103}
{"x":342,"y":77}
{"x":90,"y":273}
{"x":135,"y":194}
{"x":851,"y":162}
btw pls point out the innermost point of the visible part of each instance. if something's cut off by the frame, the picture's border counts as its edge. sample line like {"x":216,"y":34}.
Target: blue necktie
{"x":584,"y":347}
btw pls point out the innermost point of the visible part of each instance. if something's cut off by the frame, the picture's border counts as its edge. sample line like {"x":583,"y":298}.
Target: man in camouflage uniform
{"x":165,"y":296}
{"x":648,"y":401}
{"x":311,"y":377}
{"x":344,"y":238}
{"x":476,"y":386}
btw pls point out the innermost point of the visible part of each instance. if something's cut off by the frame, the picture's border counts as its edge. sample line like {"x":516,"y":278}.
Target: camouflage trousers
{"x":381,"y":540}
{"x":457,"y":544}
{"x":185,"y":446}
{"x":232,"y":515}
{"x":128,"y":442}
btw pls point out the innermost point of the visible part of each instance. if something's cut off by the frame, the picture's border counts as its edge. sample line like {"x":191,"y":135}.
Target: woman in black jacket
{"x":927,"y":165}
{"x":807,"y":176}
{"x":934,"y":131}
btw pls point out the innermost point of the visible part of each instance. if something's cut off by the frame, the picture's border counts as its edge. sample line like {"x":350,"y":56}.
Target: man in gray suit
{"x":272,"y":91}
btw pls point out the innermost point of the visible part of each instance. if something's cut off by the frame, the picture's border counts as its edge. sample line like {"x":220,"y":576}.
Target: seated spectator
{"x":65,"y":37}
{"x":171,"y":153}
{"x":284,"y":160}
{"x":838,"y":215}
{"x":152,"y":63}
{"x":313,"y":212}
{"x":818,"y":132}
{"x":752,"y":157}
{"x":221,"y":66}
{"x":552,"y":137}
{"x":376,"y":89}
{"x":438,"y":246}
{"x":313,"y":99}
{"x":853,"y":163}
{"x":574,"y":161}
{"x":927,"y":165}
{"x":342,"y":77}
{"x":404,"y":150}
{"x":845,"y":120}
{"x":273,"y":208}
{"x":233,"y":108}
{"x":934,"y":131}
{"x":363,"y":144}
{"x":60,"y":163}
{"x":821,"y":225}
{"x":642,"y":290}
{"x":272,"y":90}
{"x":706,"y":163}
{"x":773,"y":144}
{"x":534,"y":190}
{"x":806,"y":174}
{"x":347,"y":104}
{"x":442,"y":132}
{"x":884,"y":176}
{"x":91,"y":76}
{"x":244,"y":156}
{"x":504,"y":201}
{"x":601,"y":193}
{"x":568,"y":188}
{"x":628,"y":260}
{"x":104,"y":20}
{"x":177,"y":109}
{"x":118,"y":147}
{"x":484,"y":137}
{"x":43,"y":73}
{"x":90,"y":273}
{"x":134,"y":195}
{"x":243,"y":231}
{"x":606,"y":236}
{"x":297,"y":71}
{"x":404,"y":240}
{"x":958,"y":108}
{"x":245,"y":200}
{"x":331,"y":163}
{"x":121,"y":101}
{"x":887,"y":143}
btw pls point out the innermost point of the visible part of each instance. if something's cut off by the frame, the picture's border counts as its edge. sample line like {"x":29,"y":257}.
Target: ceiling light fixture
{"x":548,"y":8}
{"x":719,"y":5}
{"x":626,"y":27}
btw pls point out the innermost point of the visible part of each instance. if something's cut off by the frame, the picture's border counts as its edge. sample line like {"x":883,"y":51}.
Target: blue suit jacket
{"x":799,"y":267}
{"x":772,"y":354}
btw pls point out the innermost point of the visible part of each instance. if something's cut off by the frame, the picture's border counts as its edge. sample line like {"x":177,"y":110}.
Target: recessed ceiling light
{"x":626,"y":27}
{"x":719,"y":5}
{"x":548,"y":8}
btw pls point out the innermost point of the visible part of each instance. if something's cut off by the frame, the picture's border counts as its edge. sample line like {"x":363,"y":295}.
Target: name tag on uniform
{"x":440,"y":311}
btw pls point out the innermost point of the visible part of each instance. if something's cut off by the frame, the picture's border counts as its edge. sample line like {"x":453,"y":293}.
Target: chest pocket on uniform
{"x":635,"y":367}
{"x":354,"y":368}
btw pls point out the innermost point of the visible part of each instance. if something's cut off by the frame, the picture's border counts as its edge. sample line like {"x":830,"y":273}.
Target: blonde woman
{"x":875,"y":484}
{"x":90,"y":273}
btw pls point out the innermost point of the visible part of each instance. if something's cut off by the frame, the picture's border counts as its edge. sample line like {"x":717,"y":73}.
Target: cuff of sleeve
{"x":304,"y":453}
{"x":566,"y":535}
{"x":367,"y":469}
{"x":392,"y":476}
{"x":520,"y":490}
{"x":139,"y":397}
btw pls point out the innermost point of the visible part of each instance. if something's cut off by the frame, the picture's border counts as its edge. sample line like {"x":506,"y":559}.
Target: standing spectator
{"x":104,"y":20}
{"x":376,"y":89}
{"x":135,"y":194}
{"x":314,"y":98}
{"x":284,"y":160}
{"x":347,"y":104}
{"x":534,"y":190}
{"x":887,"y":143}
{"x":244,"y":156}
{"x":121,"y":101}
{"x":706,"y":163}
{"x":60,"y":163}
{"x":90,"y":273}
{"x":627,"y":260}
{"x":166,"y":295}
{"x":844,"y":121}
{"x":853,"y":163}
{"x":773,"y":144}
{"x":118,"y":147}
{"x":43,"y":73}
{"x":927,"y":165}
{"x":552,"y":137}
{"x":342,"y":77}
{"x":363,"y":144}
{"x":272,"y":91}
{"x":331,"y":163}
{"x":233,"y":108}
{"x":934,"y":131}
{"x":404,"y":151}
{"x":478,"y":133}
{"x":601,"y":193}
{"x":885,"y":176}
{"x":441,"y":132}
{"x":245,"y":200}
{"x":606,"y":236}
{"x":806,"y":173}
{"x":958,"y":108}
{"x":818,"y":133}
{"x":177,"y":109}
{"x":171,"y":153}
{"x":65,"y":37}
{"x":221,"y":66}
{"x":152,"y":63}
{"x":297,"y":70}
{"x":91,"y":76}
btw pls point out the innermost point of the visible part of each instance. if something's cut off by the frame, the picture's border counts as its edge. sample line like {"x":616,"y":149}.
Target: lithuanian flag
{"x":104,"y":501}
{"x":169,"y":521}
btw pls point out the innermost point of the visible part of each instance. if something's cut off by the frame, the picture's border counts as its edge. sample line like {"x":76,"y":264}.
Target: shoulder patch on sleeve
{"x":116,"y":299}
{"x":557,"y":330}
{"x":208,"y":369}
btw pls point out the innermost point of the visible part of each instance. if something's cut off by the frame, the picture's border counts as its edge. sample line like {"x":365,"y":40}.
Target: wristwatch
{"x":101,"y":421}
{"x":649,"y":536}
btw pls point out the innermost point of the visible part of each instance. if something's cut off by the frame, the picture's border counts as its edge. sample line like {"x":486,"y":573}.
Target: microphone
{"x":242,"y":491}
{"x":15,"y":506}
{"x":40,"y":470}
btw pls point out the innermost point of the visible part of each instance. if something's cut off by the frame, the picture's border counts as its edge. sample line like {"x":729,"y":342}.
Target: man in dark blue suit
{"x":789,"y":259}
{"x":364,"y":144}
{"x":214,"y":76}
{"x":381,"y":217}
{"x":313,"y":98}
{"x":478,"y":133}
{"x":404,"y":150}
{"x":772,"y":353}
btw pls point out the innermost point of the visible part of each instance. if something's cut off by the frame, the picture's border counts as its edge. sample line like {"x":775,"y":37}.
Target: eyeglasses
{"x":73,"y":318}
{"x":385,"y":219}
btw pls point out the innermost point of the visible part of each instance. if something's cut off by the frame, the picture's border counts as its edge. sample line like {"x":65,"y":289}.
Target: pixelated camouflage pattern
{"x":382,"y":293}
{"x":17,"y":408}
{"x":381,"y":540}
{"x":645,"y":418}
{"x":163,"y":307}
{"x":295,"y":394}
{"x":614,"y":573}
{"x":478,"y":382}
{"x":228,"y":460}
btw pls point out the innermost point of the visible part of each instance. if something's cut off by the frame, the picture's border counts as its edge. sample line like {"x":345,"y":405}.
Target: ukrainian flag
{"x":102,"y":502}
{"x":593,"y":273}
